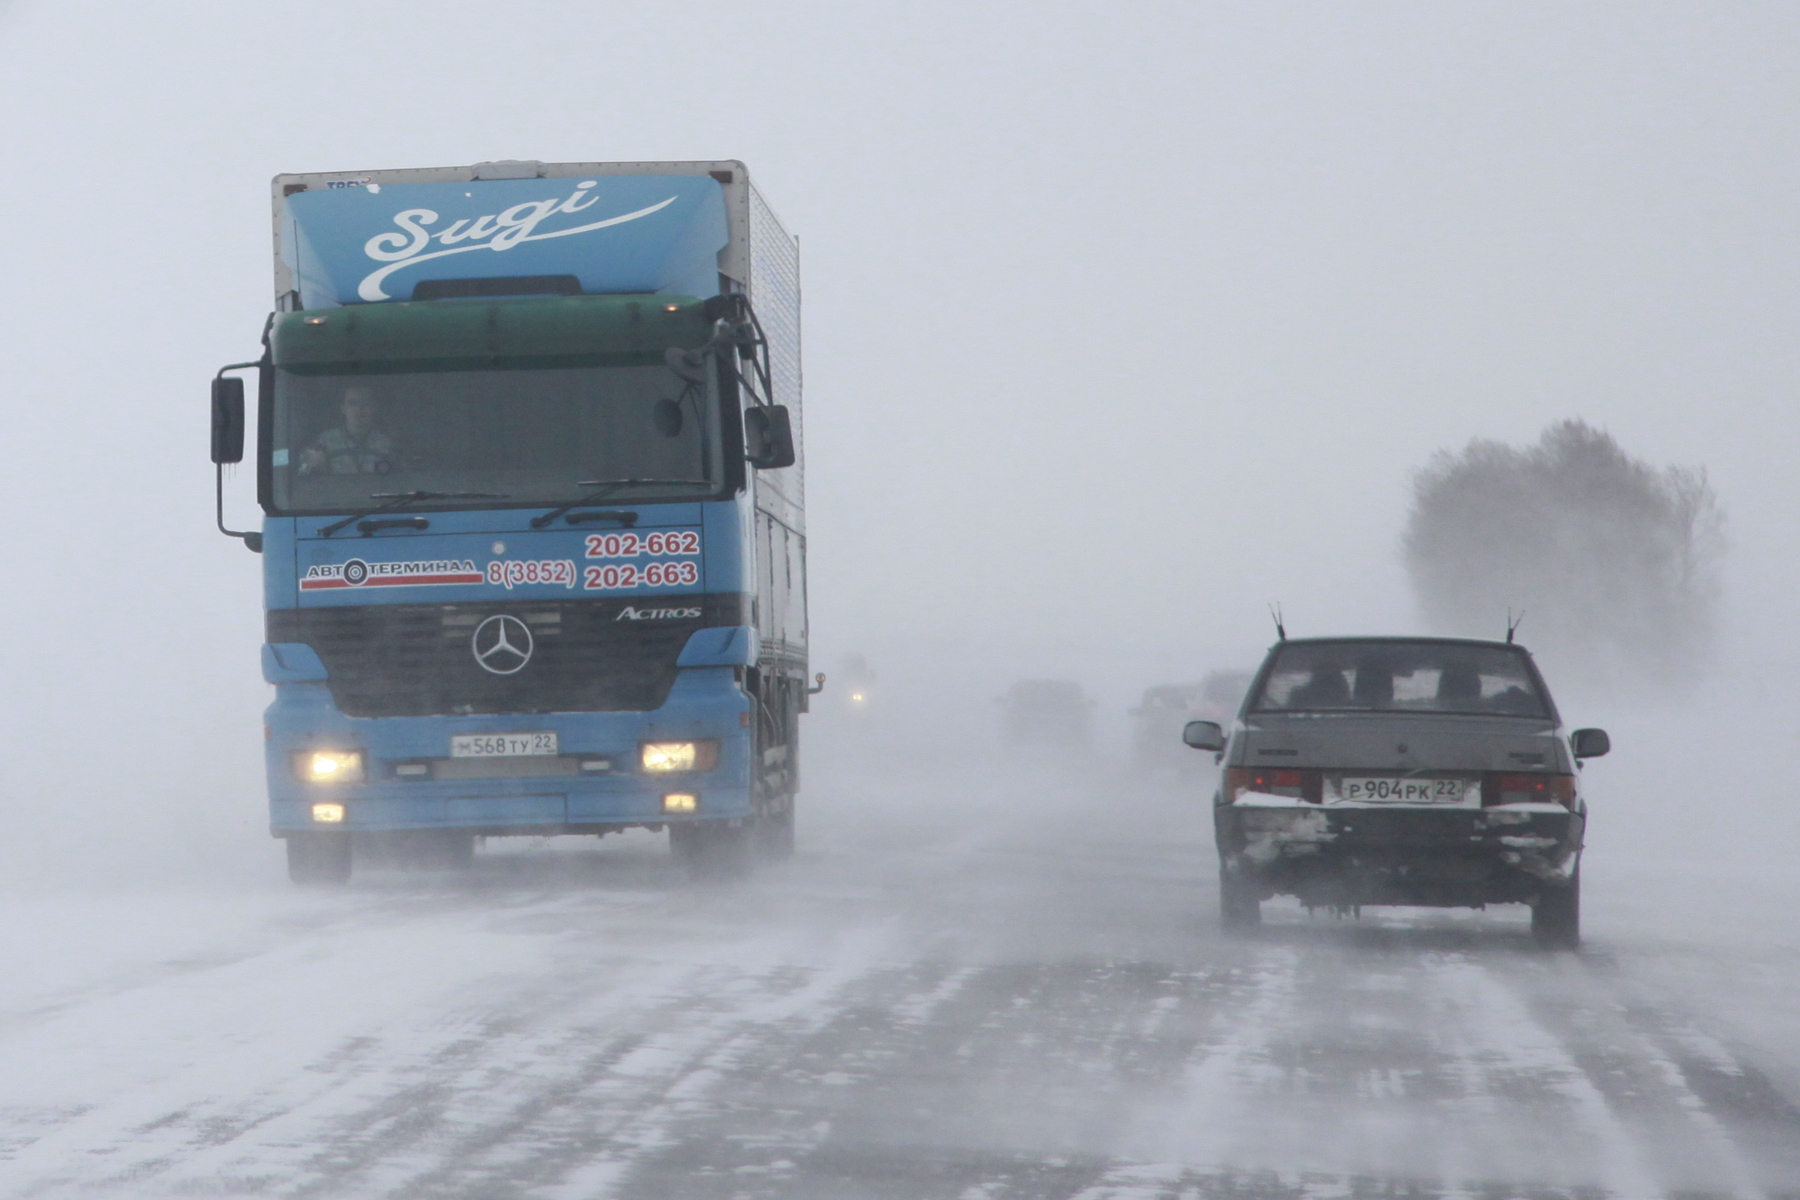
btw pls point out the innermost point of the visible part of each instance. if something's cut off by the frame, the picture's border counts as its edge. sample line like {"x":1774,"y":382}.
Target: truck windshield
{"x":1401,"y":676}
{"x":531,"y":435}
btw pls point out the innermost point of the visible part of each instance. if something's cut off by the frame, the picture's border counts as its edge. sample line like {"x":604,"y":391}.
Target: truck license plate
{"x":1403,"y":791}
{"x":502,"y":745}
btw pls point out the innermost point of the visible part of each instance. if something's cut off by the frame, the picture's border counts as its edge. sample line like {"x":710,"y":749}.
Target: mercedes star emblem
{"x":502,"y":644}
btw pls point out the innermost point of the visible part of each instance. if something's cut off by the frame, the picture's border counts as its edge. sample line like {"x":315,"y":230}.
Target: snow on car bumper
{"x":1344,"y":855}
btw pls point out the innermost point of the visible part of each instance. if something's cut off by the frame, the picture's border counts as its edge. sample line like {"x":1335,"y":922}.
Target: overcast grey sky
{"x":1122,"y":320}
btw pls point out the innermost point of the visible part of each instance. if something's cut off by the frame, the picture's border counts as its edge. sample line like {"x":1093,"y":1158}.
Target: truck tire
{"x":439,"y":850}
{"x":459,"y":851}
{"x":713,"y":849}
{"x":318,"y":858}
{"x":775,"y":833}
{"x":1239,"y":906}
{"x":1556,"y":917}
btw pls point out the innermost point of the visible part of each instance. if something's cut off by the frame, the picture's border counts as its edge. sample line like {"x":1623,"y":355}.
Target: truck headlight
{"x":328,"y":813}
{"x":681,"y":802}
{"x":663,"y":757}
{"x":329,"y":766}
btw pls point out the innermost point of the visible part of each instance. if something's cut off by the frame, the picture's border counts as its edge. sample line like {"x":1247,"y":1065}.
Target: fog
{"x":1122,"y":323}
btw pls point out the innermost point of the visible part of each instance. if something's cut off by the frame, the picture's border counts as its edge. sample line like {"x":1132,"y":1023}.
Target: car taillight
{"x":1302,"y":785}
{"x":1527,"y":789}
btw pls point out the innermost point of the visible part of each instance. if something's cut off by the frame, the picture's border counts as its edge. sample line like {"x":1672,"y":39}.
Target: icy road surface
{"x":956,"y":990}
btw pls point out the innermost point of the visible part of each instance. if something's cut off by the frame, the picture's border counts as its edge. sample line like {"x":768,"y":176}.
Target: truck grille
{"x":414,"y":660}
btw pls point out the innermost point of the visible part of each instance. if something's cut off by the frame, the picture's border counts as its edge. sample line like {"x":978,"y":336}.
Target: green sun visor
{"x":486,"y":335}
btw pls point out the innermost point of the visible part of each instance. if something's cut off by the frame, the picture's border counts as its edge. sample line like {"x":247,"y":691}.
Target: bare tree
{"x":1617,"y":561}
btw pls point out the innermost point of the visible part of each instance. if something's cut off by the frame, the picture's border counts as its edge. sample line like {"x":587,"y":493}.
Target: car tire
{"x":1556,"y":917}
{"x":1239,"y":906}
{"x":316,"y":859}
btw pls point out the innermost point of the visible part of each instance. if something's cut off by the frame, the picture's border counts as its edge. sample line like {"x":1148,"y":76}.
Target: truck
{"x":529,"y":458}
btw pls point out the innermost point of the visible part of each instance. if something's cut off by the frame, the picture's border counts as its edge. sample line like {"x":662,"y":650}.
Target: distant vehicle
{"x":856,"y":684}
{"x":1166,"y":708}
{"x":1221,"y":694}
{"x":1158,"y":718}
{"x":1047,"y":712}
{"x":1418,"y":771}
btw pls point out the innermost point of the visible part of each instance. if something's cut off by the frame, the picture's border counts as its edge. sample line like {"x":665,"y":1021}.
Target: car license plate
{"x":502,"y":745}
{"x":1402,"y":791}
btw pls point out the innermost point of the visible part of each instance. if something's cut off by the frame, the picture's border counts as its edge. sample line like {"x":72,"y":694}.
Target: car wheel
{"x":318,"y":858}
{"x":1239,"y":907}
{"x":1556,"y":917}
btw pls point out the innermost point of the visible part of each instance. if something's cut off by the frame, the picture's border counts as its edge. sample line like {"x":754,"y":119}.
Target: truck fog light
{"x":328,"y":814}
{"x":664,"y":757}
{"x":329,"y":766}
{"x":681,"y":802}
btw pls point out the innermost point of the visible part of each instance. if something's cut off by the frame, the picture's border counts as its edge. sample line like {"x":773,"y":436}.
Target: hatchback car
{"x":1414,"y":771}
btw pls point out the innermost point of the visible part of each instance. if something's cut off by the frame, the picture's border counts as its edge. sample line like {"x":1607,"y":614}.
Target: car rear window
{"x":1401,"y":677}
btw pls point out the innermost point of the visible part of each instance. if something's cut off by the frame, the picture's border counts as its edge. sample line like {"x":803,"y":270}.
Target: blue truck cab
{"x":528,"y":452}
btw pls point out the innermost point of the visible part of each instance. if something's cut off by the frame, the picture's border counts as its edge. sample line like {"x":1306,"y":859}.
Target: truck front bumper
{"x":594,"y":784}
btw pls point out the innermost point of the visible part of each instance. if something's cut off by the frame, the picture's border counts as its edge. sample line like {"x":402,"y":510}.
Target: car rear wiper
{"x":606,"y":487}
{"x":401,"y":500}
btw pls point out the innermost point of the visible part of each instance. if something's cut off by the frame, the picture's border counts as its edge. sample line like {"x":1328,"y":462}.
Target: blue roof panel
{"x":619,"y":233}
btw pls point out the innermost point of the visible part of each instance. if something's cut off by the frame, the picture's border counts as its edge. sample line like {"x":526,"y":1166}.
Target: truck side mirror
{"x":1589,"y":743}
{"x":227,"y":420}
{"x":768,"y":437}
{"x":1204,"y":735}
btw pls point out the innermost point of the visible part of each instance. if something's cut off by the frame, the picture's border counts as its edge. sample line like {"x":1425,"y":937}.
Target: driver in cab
{"x":354,"y":448}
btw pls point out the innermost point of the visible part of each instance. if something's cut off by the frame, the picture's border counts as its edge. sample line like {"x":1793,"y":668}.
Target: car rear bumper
{"x":1346,"y":856}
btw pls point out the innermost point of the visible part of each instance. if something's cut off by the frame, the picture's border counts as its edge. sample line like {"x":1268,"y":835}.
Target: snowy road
{"x":938,"y":998}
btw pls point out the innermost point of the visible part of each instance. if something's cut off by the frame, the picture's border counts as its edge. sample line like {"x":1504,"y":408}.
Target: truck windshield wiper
{"x":605,"y":488}
{"x":401,"y":500}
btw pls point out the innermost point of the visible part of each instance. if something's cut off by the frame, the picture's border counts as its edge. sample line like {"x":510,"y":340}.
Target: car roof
{"x":1408,"y":639}
{"x":1046,"y":685}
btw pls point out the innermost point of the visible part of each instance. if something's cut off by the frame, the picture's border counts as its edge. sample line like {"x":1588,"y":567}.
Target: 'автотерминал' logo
{"x":495,"y":231}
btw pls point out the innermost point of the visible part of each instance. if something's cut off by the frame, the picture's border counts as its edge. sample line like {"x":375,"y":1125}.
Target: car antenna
{"x":1512,"y":623}
{"x":1280,"y":630}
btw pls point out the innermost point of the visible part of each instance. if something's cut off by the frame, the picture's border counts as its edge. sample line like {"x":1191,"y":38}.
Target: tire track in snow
{"x":938,"y":1081}
{"x":1446,"y":1071}
{"x":425,"y":1089}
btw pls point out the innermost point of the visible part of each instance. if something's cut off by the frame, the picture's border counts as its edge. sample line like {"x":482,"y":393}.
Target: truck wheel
{"x":318,"y":858}
{"x":712,"y":849}
{"x":775,"y":833}
{"x":1556,"y":917}
{"x":684,"y":843}
{"x":1239,"y":907}
{"x":440,"y":850}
